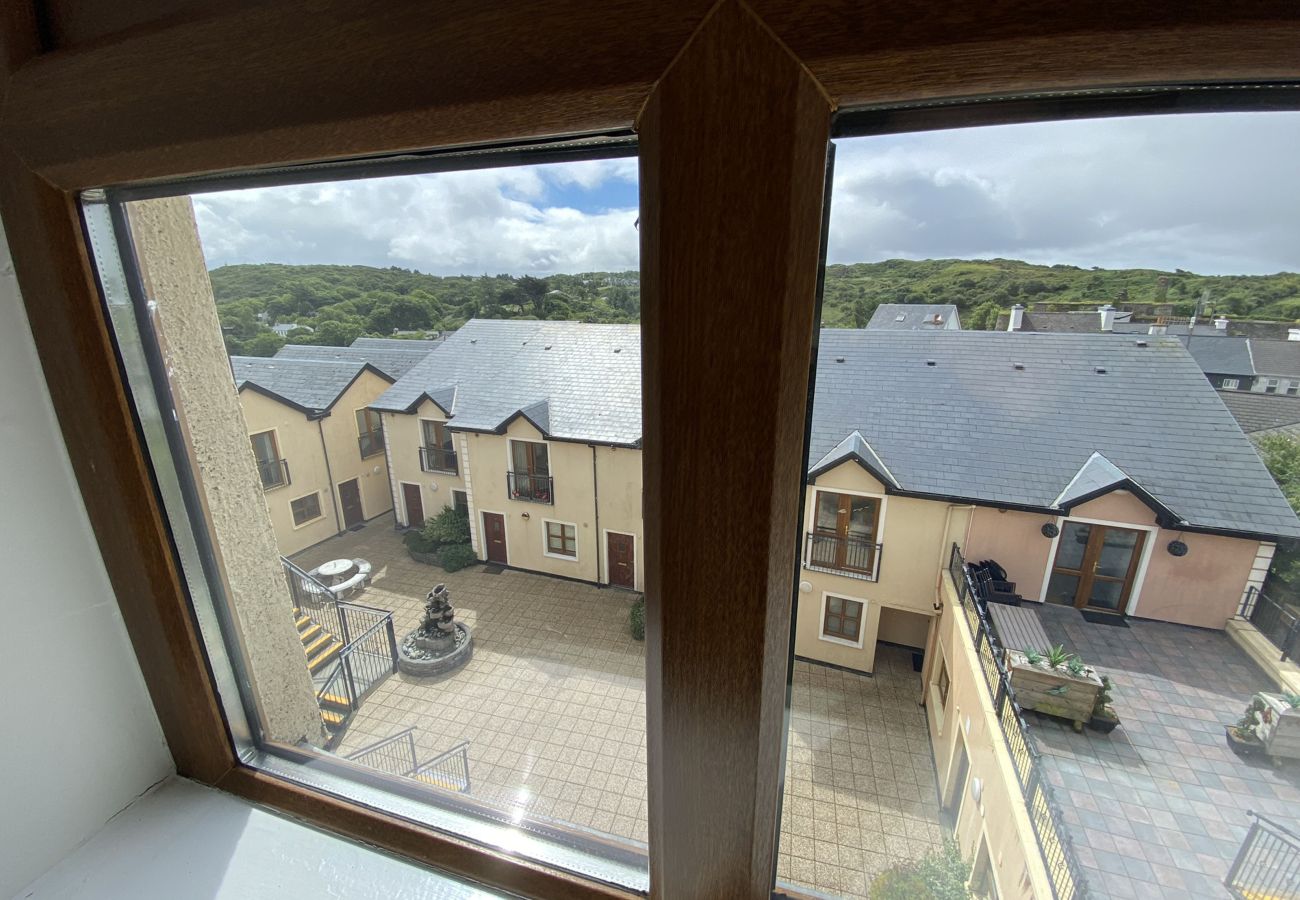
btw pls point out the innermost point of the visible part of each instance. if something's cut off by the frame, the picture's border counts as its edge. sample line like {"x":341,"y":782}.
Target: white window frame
{"x":546,"y":544}
{"x":1230,"y":384}
{"x":1271,"y":385}
{"x":862,"y":621}
{"x":319,"y":505}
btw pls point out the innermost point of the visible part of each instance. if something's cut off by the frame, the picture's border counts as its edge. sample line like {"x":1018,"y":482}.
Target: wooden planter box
{"x":1054,"y":692}
{"x":1281,"y":735}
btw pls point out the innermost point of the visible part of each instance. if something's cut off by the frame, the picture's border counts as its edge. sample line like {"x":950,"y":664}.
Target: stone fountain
{"x":440,"y":644}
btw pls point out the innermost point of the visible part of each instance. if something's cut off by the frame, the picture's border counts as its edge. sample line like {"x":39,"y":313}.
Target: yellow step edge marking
{"x":317,"y":643}
{"x":311,"y":633}
{"x":334,"y":699}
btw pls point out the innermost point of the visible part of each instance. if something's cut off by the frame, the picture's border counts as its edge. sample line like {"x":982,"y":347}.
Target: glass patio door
{"x":1095,"y":566}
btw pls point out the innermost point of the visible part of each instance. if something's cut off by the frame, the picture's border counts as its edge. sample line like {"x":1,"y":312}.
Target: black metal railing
{"x":533,"y":488}
{"x":1044,"y":816}
{"x":1268,"y":864}
{"x":1279,"y":622}
{"x":370,"y":443}
{"x":274,"y":472}
{"x":438,"y":459}
{"x":843,"y":555}
{"x":396,"y":755}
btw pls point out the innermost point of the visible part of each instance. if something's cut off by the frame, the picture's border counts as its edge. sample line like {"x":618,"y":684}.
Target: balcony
{"x":370,"y":443}
{"x":274,"y":472}
{"x":438,"y":459}
{"x":531,"y":488}
{"x":847,"y":556}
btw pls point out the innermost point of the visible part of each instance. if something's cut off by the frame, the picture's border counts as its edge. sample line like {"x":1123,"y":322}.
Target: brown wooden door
{"x":350,"y":499}
{"x":1095,"y":566}
{"x":494,"y":536}
{"x":621,"y":553}
{"x":414,"y":505}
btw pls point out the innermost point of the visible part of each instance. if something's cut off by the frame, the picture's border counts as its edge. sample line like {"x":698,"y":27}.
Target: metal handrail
{"x":1054,"y":842}
{"x":452,"y":766}
{"x":530,"y":488}
{"x":370,"y":442}
{"x":843,"y":555}
{"x":1279,"y":624}
{"x":1268,"y":862}
{"x":438,"y":459}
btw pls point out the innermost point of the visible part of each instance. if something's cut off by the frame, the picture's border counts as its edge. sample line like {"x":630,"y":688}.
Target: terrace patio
{"x":553,"y":707}
{"x":1158,"y":807}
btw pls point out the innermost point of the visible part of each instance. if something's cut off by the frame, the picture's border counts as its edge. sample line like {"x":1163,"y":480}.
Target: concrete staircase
{"x":322,"y":651}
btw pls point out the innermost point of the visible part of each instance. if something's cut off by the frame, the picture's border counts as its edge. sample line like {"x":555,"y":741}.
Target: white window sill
{"x":185,"y":840}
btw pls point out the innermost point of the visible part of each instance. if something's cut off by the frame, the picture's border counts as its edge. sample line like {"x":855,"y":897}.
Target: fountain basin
{"x":421,"y":662}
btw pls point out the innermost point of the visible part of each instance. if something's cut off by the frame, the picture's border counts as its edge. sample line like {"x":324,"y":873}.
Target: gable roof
{"x":974,"y":427}
{"x":914,"y":317}
{"x":394,"y":362}
{"x":1276,"y":357}
{"x":311,"y":386}
{"x":374,"y":343}
{"x":573,"y":381}
{"x":1221,"y":355}
{"x":1262,"y":412}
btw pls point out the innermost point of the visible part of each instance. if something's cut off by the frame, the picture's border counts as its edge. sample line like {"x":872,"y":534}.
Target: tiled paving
{"x":1158,"y":807}
{"x":553,"y":705}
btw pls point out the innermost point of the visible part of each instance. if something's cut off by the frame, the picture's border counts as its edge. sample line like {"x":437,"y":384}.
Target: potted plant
{"x":1104,"y":718}
{"x":1055,"y":683}
{"x":1243,"y":737}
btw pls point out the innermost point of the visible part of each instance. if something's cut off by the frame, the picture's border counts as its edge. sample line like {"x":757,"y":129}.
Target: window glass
{"x":404,"y":385}
{"x":1016,"y":444}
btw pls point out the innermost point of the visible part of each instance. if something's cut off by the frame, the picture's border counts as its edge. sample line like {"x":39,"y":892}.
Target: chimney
{"x":1221,"y":324}
{"x":1017,"y":318}
{"x":1293,"y":334}
{"x":1107,"y":317}
{"x":1158,"y":328}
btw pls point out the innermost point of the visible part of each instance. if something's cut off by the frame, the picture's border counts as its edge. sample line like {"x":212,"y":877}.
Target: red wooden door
{"x":494,"y":535}
{"x":621,"y":553}
{"x":414,"y":505}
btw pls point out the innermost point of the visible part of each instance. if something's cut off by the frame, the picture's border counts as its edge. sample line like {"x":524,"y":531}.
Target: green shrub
{"x":939,"y":875}
{"x":637,"y":619}
{"x":448,"y":527}
{"x":417,"y":542}
{"x":454,"y":557}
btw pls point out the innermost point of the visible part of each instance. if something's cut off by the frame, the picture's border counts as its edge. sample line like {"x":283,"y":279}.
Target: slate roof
{"x":1262,"y":412}
{"x":574,"y":381}
{"x":915,"y":317}
{"x":310,"y":385}
{"x":1276,"y":357}
{"x":1221,"y":355}
{"x":373,"y":343}
{"x":974,"y":427}
{"x":394,"y":362}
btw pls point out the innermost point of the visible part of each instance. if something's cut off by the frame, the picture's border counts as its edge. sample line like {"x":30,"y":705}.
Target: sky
{"x":1213,"y":194}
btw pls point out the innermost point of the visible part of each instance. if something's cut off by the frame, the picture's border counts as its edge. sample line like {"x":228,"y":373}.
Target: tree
{"x":1281,"y":455}
{"x":534,"y":291}
{"x":861,"y":313}
{"x":266,"y":343}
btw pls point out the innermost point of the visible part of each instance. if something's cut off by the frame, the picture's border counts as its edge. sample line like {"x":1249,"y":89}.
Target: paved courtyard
{"x":1158,"y":807}
{"x":553,"y":705}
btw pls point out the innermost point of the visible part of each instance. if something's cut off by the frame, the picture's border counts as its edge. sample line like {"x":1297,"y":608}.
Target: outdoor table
{"x":335,"y":570}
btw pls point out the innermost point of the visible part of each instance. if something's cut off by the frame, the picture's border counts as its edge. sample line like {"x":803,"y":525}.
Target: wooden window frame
{"x":320,"y":510}
{"x":547,"y":548}
{"x":375,"y":434}
{"x":112,"y":106}
{"x":838,"y":636}
{"x":841,"y":531}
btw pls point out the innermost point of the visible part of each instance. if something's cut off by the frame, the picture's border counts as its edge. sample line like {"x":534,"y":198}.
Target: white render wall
{"x":79,"y":738}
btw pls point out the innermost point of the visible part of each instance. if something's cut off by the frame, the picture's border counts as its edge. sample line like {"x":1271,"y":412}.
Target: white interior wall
{"x":78,"y":734}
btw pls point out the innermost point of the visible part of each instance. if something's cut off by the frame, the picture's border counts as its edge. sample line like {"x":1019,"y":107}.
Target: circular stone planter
{"x":429,"y":559}
{"x":422,"y":663}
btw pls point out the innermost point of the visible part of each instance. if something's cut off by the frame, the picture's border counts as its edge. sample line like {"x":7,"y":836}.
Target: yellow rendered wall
{"x":299,"y":443}
{"x":404,"y":436}
{"x":1000,"y":814}
{"x":344,"y":452}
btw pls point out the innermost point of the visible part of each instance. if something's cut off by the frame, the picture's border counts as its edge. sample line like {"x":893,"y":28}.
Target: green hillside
{"x":344,"y":302}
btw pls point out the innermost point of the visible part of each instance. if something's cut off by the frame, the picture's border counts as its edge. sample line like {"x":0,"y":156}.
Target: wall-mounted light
{"x":805,"y":587}
{"x":977,"y":788}
{"x":524,"y":516}
{"x":1050,"y":530}
{"x":433,"y":485}
{"x":1177,"y":548}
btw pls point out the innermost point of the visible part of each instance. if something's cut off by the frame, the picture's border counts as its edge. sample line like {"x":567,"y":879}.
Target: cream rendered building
{"x":533,"y":428}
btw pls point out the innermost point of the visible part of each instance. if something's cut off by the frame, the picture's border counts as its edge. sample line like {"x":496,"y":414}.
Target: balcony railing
{"x":438,"y":459}
{"x":371,"y":442}
{"x":531,"y":488}
{"x":274,"y":472}
{"x":843,"y":556}
{"x":1268,"y":863}
{"x":1278,"y":622}
{"x":1044,"y":815}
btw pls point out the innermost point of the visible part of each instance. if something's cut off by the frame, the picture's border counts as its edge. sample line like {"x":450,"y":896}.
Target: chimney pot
{"x":1107,"y":317}
{"x":1017,"y":318}
{"x":1293,"y":334}
{"x":1221,"y":324}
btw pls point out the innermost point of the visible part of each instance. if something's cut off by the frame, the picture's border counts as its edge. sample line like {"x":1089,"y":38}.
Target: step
{"x":318,"y":662}
{"x":445,"y":783}
{"x":302,"y":621}
{"x":316,"y":643}
{"x":310,"y":634}
{"x":332,"y":719}
{"x":333,"y":701}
